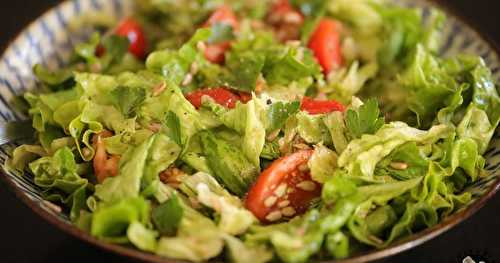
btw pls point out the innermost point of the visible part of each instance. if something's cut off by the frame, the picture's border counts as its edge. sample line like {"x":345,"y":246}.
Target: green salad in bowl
{"x":276,"y":130}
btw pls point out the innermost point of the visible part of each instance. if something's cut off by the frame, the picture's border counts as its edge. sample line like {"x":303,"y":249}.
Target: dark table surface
{"x":25,"y":237}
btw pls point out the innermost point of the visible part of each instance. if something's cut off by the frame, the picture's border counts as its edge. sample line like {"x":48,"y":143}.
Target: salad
{"x":256,"y":131}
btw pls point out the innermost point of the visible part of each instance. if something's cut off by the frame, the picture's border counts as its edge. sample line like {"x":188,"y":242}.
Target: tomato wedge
{"x":215,"y":53}
{"x":133,"y":31}
{"x":313,"y":106}
{"x":325,"y":44}
{"x":221,"y":96}
{"x":223,"y":14}
{"x":286,"y":20}
{"x":245,"y":96}
{"x":284,"y":189}
{"x":104,"y":165}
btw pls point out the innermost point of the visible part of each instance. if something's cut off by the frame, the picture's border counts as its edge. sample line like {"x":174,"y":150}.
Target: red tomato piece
{"x":223,"y":14}
{"x":100,"y":50}
{"x":215,"y":53}
{"x":245,"y":96}
{"x":325,"y":44}
{"x":104,"y":165}
{"x":320,"y":106}
{"x":283,"y":7}
{"x":286,"y":20}
{"x":221,"y":96}
{"x":284,"y":189}
{"x":133,"y":31}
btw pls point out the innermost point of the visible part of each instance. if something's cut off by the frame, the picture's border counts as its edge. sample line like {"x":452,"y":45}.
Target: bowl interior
{"x":51,"y":38}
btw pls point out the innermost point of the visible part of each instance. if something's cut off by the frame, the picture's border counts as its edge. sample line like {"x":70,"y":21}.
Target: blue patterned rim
{"x":50,"y":39}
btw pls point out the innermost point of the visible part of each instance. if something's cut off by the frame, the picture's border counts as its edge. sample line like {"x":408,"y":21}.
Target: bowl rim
{"x":397,"y":247}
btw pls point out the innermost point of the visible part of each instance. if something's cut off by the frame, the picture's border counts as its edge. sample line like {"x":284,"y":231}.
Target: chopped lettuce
{"x":128,"y":182}
{"x":362,"y":155}
{"x":113,"y":221}
{"x":58,"y":177}
{"x":229,"y":164}
{"x":234,"y":219}
{"x":312,"y":128}
{"x":246,"y":119}
{"x":322,"y":163}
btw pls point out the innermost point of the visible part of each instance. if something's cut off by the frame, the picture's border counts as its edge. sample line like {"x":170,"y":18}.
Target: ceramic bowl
{"x":50,"y":39}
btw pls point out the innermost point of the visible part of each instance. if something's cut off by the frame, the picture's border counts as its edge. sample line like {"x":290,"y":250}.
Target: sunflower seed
{"x":399,"y":165}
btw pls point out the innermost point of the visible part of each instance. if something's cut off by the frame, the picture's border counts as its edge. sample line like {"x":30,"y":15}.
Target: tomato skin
{"x":282,"y":171}
{"x":215,"y":53}
{"x":245,"y":96}
{"x":100,"y":50}
{"x":133,"y":31}
{"x":283,"y":7}
{"x":223,"y":14}
{"x":104,"y":165}
{"x":312,"y":106}
{"x":325,"y":44}
{"x":221,"y":96}
{"x":286,"y":20}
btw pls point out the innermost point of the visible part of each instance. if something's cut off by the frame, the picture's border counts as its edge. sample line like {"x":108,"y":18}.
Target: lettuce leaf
{"x":338,"y":131}
{"x":246,"y":119}
{"x":175,"y":65}
{"x":128,"y":182}
{"x":312,"y":128}
{"x":168,"y":215}
{"x":228,"y":163}
{"x":197,"y":239}
{"x":362,"y":155}
{"x":115,"y":221}
{"x":234,"y":218}
{"x":58,"y":177}
{"x":322,"y":163}
{"x":171,"y":100}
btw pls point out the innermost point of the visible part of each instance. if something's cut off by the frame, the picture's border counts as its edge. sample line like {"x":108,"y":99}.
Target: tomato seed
{"x":283,"y":204}
{"x":281,"y":190}
{"x":270,"y":201}
{"x":273,"y":216}
{"x":308,"y":186}
{"x":304,"y":167}
{"x":288,"y":211}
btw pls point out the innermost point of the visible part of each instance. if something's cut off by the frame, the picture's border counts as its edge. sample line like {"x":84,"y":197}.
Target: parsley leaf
{"x":271,"y":150}
{"x":167,"y":216}
{"x":221,"y":32}
{"x":365,"y":120}
{"x":279,"y":112}
{"x":174,"y":127}
{"x":244,"y":70}
{"x":128,"y":99}
{"x":291,"y":64}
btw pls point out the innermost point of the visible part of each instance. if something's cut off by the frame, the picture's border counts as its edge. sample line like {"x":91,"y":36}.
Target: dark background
{"x":25,"y":237}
